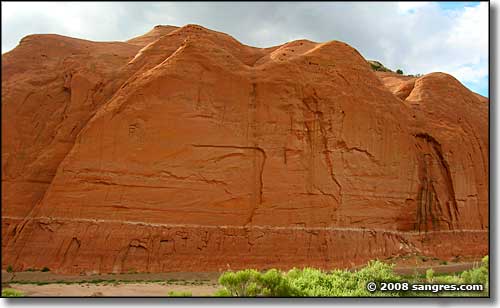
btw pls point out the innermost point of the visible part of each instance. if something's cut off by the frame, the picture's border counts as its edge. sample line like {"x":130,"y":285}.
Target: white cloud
{"x":470,"y":74}
{"x":418,"y":37}
{"x":411,"y":6}
{"x":459,"y":48}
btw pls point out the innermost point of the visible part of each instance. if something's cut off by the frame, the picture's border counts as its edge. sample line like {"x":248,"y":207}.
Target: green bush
{"x":377,"y":66}
{"x":399,"y":71}
{"x":305,"y":282}
{"x":9,"y":269}
{"x":275,"y":283}
{"x":478,"y":274}
{"x":315,"y":282}
{"x":253,"y":283}
{"x":11,"y":293}
{"x":241,"y":283}
{"x":376,"y":271}
{"x":45,"y":269}
{"x":180,"y":294}
{"x":429,"y":275}
{"x":223,"y":293}
{"x":485,"y":262}
{"x":451,"y":279}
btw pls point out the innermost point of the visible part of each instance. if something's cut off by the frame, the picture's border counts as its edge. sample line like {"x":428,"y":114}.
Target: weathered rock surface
{"x":183,"y":149}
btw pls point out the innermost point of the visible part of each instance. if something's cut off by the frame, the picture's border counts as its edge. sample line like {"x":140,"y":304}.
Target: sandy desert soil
{"x":38,"y":283}
{"x":113,"y":289}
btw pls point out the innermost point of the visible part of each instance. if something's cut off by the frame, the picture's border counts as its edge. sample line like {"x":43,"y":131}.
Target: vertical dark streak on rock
{"x":429,"y":203}
{"x":252,"y":141}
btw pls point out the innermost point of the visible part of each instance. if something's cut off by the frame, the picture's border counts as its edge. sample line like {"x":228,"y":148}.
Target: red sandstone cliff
{"x":185,"y":150}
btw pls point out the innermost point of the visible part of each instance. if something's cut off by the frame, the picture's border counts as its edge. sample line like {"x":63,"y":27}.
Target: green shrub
{"x":275,"y":283}
{"x":45,"y":269}
{"x":222,"y":293}
{"x":11,"y":293}
{"x":9,"y":269}
{"x":476,"y":275}
{"x":399,"y":71}
{"x":180,"y":294}
{"x":241,"y":283}
{"x":315,"y":282}
{"x":485,"y":262}
{"x":253,"y":283}
{"x":306,"y":282}
{"x":450,"y":279}
{"x":429,"y":275}
{"x":377,"y":66}
{"x":376,"y":271}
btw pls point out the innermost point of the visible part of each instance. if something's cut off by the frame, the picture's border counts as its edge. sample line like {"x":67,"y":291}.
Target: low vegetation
{"x":179,"y":294}
{"x":8,"y":292}
{"x":342,"y":283}
{"x":377,"y":66}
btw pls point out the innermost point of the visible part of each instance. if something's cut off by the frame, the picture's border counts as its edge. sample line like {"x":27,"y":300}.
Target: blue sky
{"x":481,"y":86}
{"x":417,"y":37}
{"x":452,"y":5}
{"x":477,"y":84}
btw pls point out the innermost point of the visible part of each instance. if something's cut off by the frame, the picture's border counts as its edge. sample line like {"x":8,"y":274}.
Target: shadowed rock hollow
{"x":184,"y":150}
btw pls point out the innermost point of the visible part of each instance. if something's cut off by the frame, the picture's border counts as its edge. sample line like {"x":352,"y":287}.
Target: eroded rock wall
{"x":206,"y":154}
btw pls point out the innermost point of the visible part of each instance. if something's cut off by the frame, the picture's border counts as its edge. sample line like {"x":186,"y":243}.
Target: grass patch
{"x":179,"y":294}
{"x":8,"y":292}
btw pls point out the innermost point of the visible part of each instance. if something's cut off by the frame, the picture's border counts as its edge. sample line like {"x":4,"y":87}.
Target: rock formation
{"x":185,"y":150}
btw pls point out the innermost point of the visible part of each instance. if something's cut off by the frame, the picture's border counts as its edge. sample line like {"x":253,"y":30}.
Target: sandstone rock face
{"x":185,"y":150}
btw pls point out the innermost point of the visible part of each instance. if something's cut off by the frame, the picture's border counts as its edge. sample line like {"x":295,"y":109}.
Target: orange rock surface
{"x":185,"y":150}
